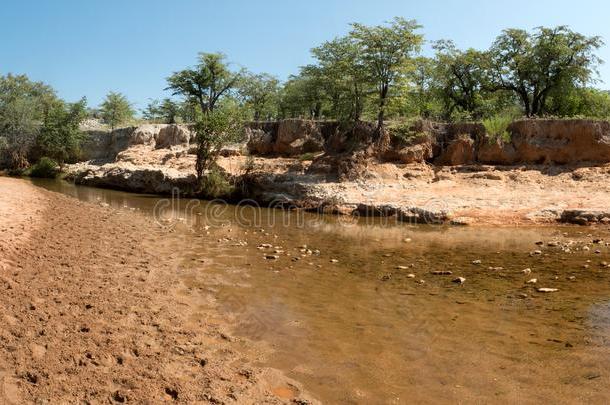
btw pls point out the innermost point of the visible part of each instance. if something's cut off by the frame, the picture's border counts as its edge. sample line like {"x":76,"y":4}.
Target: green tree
{"x":343,"y":76}
{"x":260,"y":92}
{"x":60,"y":136}
{"x":152,"y":111}
{"x":584,"y":102}
{"x":116,"y":109}
{"x":386,"y":51}
{"x":22,"y":107}
{"x":422,"y":98}
{"x":189,"y":110}
{"x":303,"y":95}
{"x":533,"y":65}
{"x":214,"y":130}
{"x":207,"y":82}
{"x":166,"y":111}
{"x":459,"y":76}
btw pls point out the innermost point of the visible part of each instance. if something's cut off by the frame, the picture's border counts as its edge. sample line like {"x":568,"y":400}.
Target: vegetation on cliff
{"x":373,"y":73}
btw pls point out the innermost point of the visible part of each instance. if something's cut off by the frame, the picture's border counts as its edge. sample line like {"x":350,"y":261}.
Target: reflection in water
{"x":364,"y":320}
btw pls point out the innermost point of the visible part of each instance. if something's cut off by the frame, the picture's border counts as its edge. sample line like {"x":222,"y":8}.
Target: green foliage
{"x":214,"y":130}
{"x":375,"y":71}
{"x":45,"y":168}
{"x":215,"y":184}
{"x":459,"y":78}
{"x":189,"y":110}
{"x":497,"y":126}
{"x":421,"y":97}
{"x":22,"y":107}
{"x":580,"y":102}
{"x":307,"y":156}
{"x":205,"y":83}
{"x":403,"y":130}
{"x":165,"y":111}
{"x":303,"y":96}
{"x":116,"y":109}
{"x":260,"y":93}
{"x":60,"y":136}
{"x":386,"y":53}
{"x":342,"y":76}
{"x":534,"y":65}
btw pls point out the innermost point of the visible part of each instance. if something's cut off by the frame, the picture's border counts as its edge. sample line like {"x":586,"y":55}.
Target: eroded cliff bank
{"x":550,"y":171}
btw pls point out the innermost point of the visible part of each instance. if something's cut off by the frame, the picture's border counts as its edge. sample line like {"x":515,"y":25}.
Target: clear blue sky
{"x":89,"y":47}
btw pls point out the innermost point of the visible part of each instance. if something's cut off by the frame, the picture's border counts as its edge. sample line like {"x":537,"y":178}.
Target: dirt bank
{"x":551,"y":171}
{"x":89,"y":313}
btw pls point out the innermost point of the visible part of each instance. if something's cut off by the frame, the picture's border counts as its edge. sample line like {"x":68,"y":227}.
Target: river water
{"x":353,"y":310}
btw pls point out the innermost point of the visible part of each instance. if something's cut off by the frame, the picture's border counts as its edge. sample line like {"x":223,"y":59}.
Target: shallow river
{"x":351,"y":308}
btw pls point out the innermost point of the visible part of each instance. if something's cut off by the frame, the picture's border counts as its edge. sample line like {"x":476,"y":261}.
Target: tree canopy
{"x":533,"y":65}
{"x":116,"y":109}
{"x":386,"y":52}
{"x":206,"y":82}
{"x":60,"y":136}
{"x":23,"y":104}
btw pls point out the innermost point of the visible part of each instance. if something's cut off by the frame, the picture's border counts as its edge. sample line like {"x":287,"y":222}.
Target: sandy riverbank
{"x":88,"y":313}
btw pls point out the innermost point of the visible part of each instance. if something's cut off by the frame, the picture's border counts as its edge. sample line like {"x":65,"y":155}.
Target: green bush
{"x":215,"y":184}
{"x":497,"y":127}
{"x":307,"y":156}
{"x":403,"y":129}
{"x":44,"y":168}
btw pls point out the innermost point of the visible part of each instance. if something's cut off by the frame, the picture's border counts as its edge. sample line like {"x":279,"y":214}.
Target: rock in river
{"x":547,"y":290}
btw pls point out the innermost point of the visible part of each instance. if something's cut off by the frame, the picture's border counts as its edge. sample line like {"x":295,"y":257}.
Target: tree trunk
{"x":383,"y":94}
{"x":526,"y":104}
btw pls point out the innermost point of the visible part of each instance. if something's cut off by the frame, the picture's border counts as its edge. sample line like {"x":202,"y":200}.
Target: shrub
{"x":215,"y":184}
{"x":497,"y":127}
{"x":307,"y":156}
{"x":44,"y":168}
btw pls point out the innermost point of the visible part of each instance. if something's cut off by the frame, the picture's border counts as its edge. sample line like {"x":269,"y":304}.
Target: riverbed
{"x":364,"y":310}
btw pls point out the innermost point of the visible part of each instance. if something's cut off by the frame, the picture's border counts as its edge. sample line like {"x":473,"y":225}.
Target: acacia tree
{"x":260,"y":92}
{"x":60,"y":136}
{"x":459,"y":76}
{"x":303,"y":94}
{"x":422,"y":98}
{"x":343,"y":76}
{"x":533,"y":65}
{"x":166,"y":111}
{"x":385,"y":52}
{"x":22,"y":107}
{"x":207,"y":82}
{"x":116,"y":109}
{"x":214,"y":130}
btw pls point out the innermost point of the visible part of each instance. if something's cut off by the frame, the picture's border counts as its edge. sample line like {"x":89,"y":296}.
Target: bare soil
{"x":88,"y":313}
